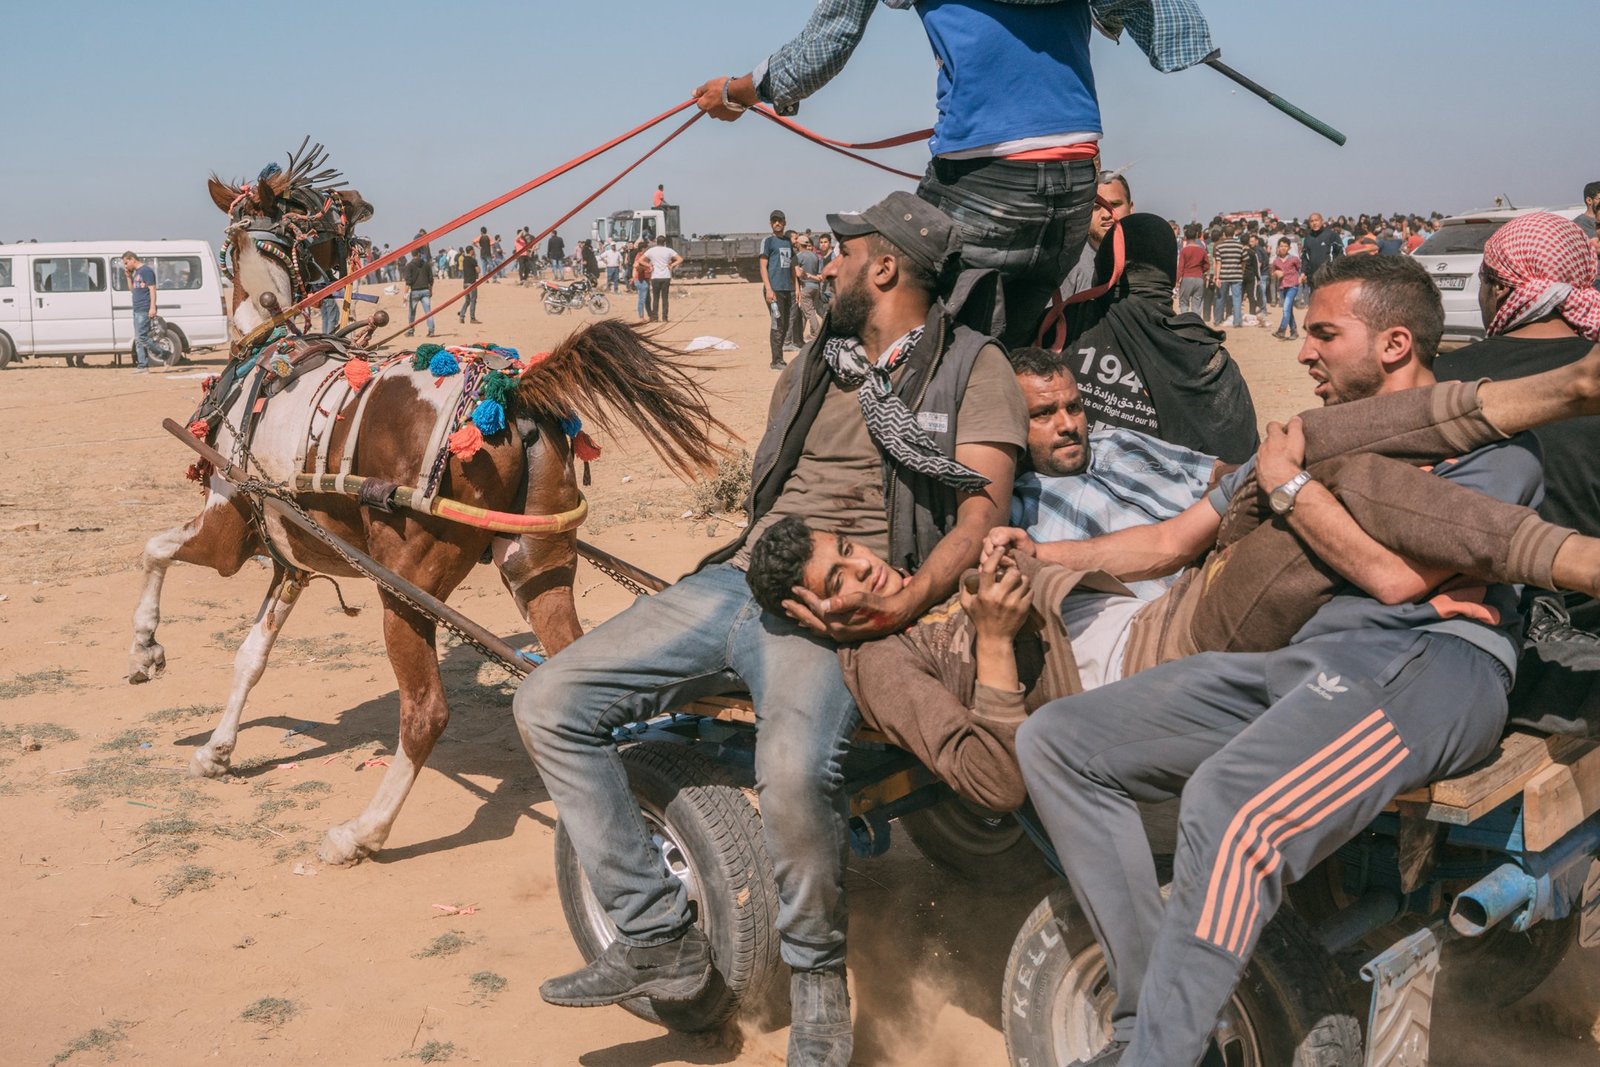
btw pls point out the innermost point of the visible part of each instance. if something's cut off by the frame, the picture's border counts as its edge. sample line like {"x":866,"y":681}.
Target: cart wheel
{"x":976,"y":845}
{"x":598,"y":304}
{"x":1501,"y":967}
{"x":1289,"y":1009}
{"x":709,"y":834}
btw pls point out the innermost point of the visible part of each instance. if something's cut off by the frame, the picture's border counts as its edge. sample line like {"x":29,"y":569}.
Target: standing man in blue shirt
{"x":1015,"y":146}
{"x":777,"y":282}
{"x":142,"y":284}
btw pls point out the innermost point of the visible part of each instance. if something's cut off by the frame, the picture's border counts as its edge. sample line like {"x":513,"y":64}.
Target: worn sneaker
{"x":777,"y":364}
{"x":676,"y":970}
{"x":819,"y":1007}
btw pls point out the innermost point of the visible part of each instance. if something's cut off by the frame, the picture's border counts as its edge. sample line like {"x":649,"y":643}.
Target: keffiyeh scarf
{"x":1548,"y":262}
{"x":890,"y":423}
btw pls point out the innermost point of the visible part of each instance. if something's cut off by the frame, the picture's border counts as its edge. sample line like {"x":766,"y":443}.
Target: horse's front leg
{"x":146,"y":657}
{"x":212,"y":760}
{"x":409,"y":638}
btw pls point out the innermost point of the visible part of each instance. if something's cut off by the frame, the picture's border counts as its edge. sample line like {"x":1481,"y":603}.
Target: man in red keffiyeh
{"x":1536,"y":267}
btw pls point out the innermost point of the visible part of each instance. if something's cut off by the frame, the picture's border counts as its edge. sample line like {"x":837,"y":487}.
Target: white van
{"x":71,"y":298}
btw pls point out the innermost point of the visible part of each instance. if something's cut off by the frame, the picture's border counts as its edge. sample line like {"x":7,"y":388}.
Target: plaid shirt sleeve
{"x":1173,"y":33}
{"x":821,"y":50}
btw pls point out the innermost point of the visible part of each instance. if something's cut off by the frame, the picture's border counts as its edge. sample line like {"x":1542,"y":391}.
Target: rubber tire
{"x":8,"y":351}
{"x":598,"y":304}
{"x":1291,"y":996}
{"x":1501,"y":967}
{"x":976,"y":845}
{"x":552,"y":307}
{"x":717,"y":825}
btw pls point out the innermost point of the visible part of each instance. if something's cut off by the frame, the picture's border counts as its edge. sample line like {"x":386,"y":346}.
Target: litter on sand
{"x":456,"y":909}
{"x":720,"y":344}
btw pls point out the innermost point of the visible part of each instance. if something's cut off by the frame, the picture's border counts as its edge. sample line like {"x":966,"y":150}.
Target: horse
{"x":606,"y":372}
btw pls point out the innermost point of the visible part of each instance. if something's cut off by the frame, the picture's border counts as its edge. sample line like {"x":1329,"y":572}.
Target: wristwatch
{"x":1282,"y":498}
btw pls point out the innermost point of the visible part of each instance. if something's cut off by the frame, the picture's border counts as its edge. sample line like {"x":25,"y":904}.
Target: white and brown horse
{"x":606,"y":372}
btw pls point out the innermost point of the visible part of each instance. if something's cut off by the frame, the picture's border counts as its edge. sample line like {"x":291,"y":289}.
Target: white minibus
{"x":71,"y":298}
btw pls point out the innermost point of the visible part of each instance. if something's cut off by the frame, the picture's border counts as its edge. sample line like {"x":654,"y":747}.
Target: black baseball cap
{"x":920,"y":230}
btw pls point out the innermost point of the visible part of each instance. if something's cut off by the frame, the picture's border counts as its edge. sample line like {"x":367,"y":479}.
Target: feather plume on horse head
{"x":306,"y":179}
{"x":608,"y":371}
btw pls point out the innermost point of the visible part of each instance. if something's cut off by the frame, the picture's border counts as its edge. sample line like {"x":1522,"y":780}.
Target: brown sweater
{"x":920,"y":688}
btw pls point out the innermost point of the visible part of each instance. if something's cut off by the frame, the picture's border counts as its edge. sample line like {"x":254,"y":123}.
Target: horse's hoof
{"x":144,"y":663}
{"x":341,"y":847}
{"x":206,"y":763}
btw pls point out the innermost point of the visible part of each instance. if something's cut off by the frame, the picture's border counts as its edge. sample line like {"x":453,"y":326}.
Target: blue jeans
{"x":643,"y":287}
{"x":1288,"y":293}
{"x":1234,"y":293}
{"x":612,"y":274}
{"x":558,"y":270}
{"x":1028,"y":220}
{"x":330,"y":314}
{"x":469,"y":306}
{"x":143,"y":350}
{"x":423,"y":297}
{"x":704,"y":636}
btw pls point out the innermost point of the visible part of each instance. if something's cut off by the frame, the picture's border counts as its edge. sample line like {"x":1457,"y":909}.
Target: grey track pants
{"x":1280,"y":757}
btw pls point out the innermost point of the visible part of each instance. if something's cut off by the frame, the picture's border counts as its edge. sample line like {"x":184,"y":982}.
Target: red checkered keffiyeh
{"x":1548,"y":262}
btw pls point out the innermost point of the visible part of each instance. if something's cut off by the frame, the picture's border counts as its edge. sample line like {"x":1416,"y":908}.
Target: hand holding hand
{"x":1009,"y":539}
{"x":997,"y":597}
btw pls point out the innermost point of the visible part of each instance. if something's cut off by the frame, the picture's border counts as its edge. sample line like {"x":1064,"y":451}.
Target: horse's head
{"x":288,"y":233}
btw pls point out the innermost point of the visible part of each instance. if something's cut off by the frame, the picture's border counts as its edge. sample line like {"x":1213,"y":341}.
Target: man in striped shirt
{"x":1227,"y":264}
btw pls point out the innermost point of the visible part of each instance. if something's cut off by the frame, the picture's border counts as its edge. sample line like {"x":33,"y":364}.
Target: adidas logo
{"x":1326,"y":687}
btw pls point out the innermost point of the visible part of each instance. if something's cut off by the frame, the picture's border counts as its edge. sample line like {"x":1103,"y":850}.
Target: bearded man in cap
{"x":896,"y":424}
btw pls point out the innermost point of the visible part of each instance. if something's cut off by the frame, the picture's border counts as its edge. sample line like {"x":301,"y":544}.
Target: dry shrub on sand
{"x":47,"y":681}
{"x":100,"y":1039}
{"x":725,"y":490}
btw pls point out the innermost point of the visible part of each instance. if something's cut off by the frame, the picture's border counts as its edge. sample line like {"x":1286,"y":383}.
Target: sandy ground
{"x":151,"y":917}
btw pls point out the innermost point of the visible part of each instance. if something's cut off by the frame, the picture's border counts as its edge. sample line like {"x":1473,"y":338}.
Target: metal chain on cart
{"x":262,"y":486}
{"x":617,"y":576}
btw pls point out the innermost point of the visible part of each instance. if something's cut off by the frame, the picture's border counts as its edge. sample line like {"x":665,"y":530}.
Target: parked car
{"x":71,"y":298}
{"x":1453,"y":255}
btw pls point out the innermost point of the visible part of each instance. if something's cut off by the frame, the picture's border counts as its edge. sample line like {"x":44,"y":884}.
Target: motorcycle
{"x":580,"y":294}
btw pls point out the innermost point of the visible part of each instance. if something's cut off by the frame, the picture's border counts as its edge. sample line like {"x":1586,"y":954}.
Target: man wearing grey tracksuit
{"x":1279,"y":756}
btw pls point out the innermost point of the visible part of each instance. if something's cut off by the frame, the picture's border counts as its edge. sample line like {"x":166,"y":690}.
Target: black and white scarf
{"x":890,"y":423}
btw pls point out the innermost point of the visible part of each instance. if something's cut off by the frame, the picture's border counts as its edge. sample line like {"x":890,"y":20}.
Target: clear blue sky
{"x":118,"y":111}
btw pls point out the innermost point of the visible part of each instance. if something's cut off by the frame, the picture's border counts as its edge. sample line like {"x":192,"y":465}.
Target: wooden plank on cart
{"x":1560,"y":797}
{"x":1466,"y":798}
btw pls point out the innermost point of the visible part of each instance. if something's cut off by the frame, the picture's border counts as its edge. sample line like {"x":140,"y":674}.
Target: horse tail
{"x":609,"y":371}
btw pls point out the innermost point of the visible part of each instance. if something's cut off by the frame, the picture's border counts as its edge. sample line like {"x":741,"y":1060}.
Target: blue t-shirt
{"x":1488,"y":616}
{"x":779,"y":253}
{"x":141,"y":282}
{"x":1009,"y":71}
